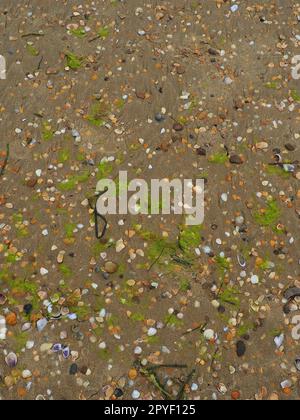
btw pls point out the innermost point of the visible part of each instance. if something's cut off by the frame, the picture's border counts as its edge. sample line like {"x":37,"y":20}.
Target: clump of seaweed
{"x":269,"y":216}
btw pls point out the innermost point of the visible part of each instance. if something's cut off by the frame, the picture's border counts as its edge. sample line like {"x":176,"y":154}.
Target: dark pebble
{"x":201,"y":152}
{"x":159,"y":117}
{"x":290,"y":147}
{"x":83,"y":370}
{"x":236,"y":160}
{"x":73,"y":369}
{"x":28,"y":308}
{"x":240,"y":348}
{"x":214,"y":52}
{"x":105,"y":276}
{"x":118,"y":393}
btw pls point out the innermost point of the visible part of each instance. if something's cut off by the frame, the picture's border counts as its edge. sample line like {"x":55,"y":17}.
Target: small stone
{"x":45,"y":347}
{"x":213,"y":51}
{"x":286,"y":384}
{"x":136,"y":395}
{"x":141,"y":95}
{"x":118,"y":393}
{"x":178,"y":127}
{"x":111,"y":267}
{"x":132,"y":375}
{"x":120,"y":246}
{"x":279,"y":340}
{"x":224,"y":197}
{"x":236,"y":160}
{"x":228,"y":81}
{"x":11,"y":319}
{"x":290,"y":147}
{"x":235,"y":395}
{"x":31,"y":183}
{"x":262,"y":145}
{"x":28,"y":308}
{"x":159,"y":117}
{"x":41,"y":324}
{"x":73,"y":369}
{"x":180,"y":70}
{"x":60,"y":257}
{"x":201,"y":152}
{"x":9,"y":381}
{"x":254,"y":279}
{"x":29,"y":345}
{"x":44,"y":271}
{"x":152,"y":332}
{"x":26,"y":374}
{"x":241,"y":348}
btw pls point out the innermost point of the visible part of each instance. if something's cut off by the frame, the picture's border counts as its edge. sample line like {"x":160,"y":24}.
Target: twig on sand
{"x":157,"y":259}
{"x":150,"y":373}
{"x":201,"y":328}
{"x":32,"y":34}
{"x":182,"y":389}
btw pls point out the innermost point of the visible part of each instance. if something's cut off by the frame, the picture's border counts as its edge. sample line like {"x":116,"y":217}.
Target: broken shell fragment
{"x":292,"y":293}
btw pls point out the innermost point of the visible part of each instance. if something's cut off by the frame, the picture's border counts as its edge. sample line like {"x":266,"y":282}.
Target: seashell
{"x":289,"y":168}
{"x":242,"y":261}
{"x":57,"y":348}
{"x":66,"y":352}
{"x":26,"y":327}
{"x":55,"y":312}
{"x":41,"y":324}
{"x":291,"y":293}
{"x":65,"y":311}
{"x":278,"y":158}
{"x":11,"y":360}
{"x":297,"y":364}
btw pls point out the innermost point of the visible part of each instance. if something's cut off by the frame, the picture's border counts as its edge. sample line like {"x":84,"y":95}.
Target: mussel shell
{"x":57,"y":348}
{"x":297,"y":364}
{"x":11,"y":360}
{"x":66,"y":352}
